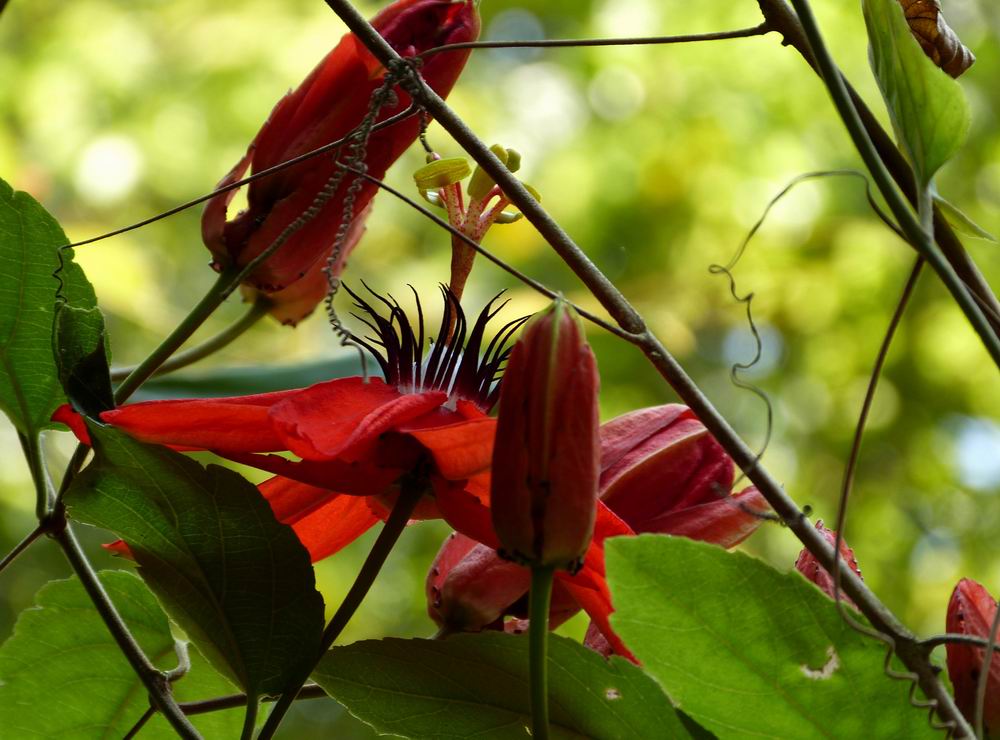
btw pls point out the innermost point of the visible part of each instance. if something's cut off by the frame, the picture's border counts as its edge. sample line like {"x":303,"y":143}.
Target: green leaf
{"x":961,"y":222}
{"x":244,"y":381}
{"x":234,"y":578}
{"x":81,"y":351}
{"x":29,"y":260}
{"x":928,"y":108}
{"x":63,"y":675}
{"x":477,"y":686}
{"x":748,"y":651}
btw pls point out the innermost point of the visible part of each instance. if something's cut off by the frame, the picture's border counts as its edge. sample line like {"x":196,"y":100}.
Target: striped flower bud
{"x":546,"y":455}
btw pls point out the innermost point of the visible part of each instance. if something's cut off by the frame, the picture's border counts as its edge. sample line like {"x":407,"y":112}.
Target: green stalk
{"x":410,"y":494}
{"x":222,"y":287}
{"x":538,"y":637}
{"x":210,"y":346}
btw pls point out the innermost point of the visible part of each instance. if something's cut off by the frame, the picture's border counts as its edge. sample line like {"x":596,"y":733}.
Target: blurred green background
{"x":656,"y":159}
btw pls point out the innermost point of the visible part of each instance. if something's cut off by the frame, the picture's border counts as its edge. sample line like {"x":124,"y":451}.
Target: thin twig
{"x":309,"y":691}
{"x":140,"y":723}
{"x":466,"y":239}
{"x":611,"y":298}
{"x":23,"y":545}
{"x":402,"y":115}
{"x":257,"y":310}
{"x":859,"y":430}
{"x":741,"y":33}
{"x":952,"y":637}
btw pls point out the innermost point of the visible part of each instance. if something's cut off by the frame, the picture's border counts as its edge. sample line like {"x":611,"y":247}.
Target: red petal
{"x":460,"y":450}
{"x":592,"y":594}
{"x":352,"y":479}
{"x":726,"y":522}
{"x":343,"y":418}
{"x":465,"y":512}
{"x":238,"y":424}
{"x":213,"y":220}
{"x":118,"y":547}
{"x":66,"y":415}
{"x":324,"y":521}
{"x":970,"y":612}
{"x":624,"y":433}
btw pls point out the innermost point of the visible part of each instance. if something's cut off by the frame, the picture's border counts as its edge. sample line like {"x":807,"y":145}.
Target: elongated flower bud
{"x":810,"y":567}
{"x":971,"y":612}
{"x":329,"y":104}
{"x":546,"y":455}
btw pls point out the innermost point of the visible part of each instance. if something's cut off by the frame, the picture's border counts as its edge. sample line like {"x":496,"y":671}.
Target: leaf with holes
{"x":29,"y":260}
{"x":748,"y":651}
{"x":61,"y":648}
{"x":236,"y":580}
{"x":477,"y":686}
{"x":928,"y":108}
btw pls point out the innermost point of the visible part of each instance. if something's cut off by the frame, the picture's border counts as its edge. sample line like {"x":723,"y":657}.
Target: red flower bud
{"x":971,"y":612}
{"x":546,"y":454}
{"x":330,"y":103}
{"x":810,"y":567}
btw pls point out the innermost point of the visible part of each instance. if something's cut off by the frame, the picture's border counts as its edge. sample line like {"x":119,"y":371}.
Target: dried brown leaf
{"x":936,"y":37}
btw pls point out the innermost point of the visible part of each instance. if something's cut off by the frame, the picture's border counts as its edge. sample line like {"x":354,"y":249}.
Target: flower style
{"x":810,"y":567}
{"x":357,"y":441}
{"x":330,"y":103}
{"x":440,"y":183}
{"x":661,"y":471}
{"x":971,"y":611}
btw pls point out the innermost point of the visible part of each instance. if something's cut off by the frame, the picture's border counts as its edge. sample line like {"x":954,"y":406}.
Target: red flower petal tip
{"x":810,"y":567}
{"x":971,"y":612}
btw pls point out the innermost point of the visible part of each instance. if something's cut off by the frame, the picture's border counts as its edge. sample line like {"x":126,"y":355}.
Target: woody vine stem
{"x":907,"y":646}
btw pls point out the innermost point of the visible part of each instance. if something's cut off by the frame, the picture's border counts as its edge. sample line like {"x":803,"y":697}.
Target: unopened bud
{"x":546,"y":455}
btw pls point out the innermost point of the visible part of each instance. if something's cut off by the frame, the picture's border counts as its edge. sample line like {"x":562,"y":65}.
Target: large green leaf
{"x":928,"y":108}
{"x":62,"y":674}
{"x":238,"y":581}
{"x":29,"y":260}
{"x":477,"y":686}
{"x":748,"y":651}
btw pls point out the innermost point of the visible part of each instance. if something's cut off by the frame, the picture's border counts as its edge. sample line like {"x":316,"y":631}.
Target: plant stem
{"x":409,"y":495}
{"x":538,"y":636}
{"x":309,"y":691}
{"x":909,"y":649}
{"x":152,"y":678}
{"x":222,"y":287}
{"x":44,"y":497}
{"x":210,"y":346}
{"x":921,"y":239}
{"x":740,"y":33}
{"x":140,"y":723}
{"x":250,"y":718}
{"x":23,"y":545}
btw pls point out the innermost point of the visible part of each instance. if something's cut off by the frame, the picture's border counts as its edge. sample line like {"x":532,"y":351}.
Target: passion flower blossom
{"x":971,"y":612}
{"x":810,"y":567}
{"x":661,"y":472}
{"x":357,"y":440}
{"x":329,"y":104}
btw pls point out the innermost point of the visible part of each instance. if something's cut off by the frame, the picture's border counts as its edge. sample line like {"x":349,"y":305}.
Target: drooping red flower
{"x":971,"y":611}
{"x":661,"y":471}
{"x":546,"y":458}
{"x":330,"y":103}
{"x":355,"y":439}
{"x":810,"y":567}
